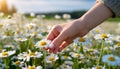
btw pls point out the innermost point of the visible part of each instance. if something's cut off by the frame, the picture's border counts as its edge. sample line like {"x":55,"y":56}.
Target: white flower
{"x":24,"y":56}
{"x":32,"y":67}
{"x":66,"y":16}
{"x":64,"y":66}
{"x":111,"y":60}
{"x":32,"y":14}
{"x":35,"y":54}
{"x":51,"y":58}
{"x":31,"y":25}
{"x":22,"y":39}
{"x":43,"y":44}
{"x":57,"y":17}
{"x":102,"y":36}
{"x":77,"y":55}
{"x":18,"y":63}
{"x":117,"y":45}
{"x":66,"y":57}
{"x":98,"y":67}
{"x":83,"y":41}
{"x":7,"y":53}
{"x":69,"y":63}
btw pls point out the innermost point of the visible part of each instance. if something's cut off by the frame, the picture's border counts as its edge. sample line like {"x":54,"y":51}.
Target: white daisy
{"x":111,"y":60}
{"x":43,"y":44}
{"x":102,"y":36}
{"x":66,"y":16}
{"x":98,"y":67}
{"x":35,"y":54}
{"x":77,"y":55}
{"x":32,"y":67}
{"x":83,"y":41}
{"x":18,"y":63}
{"x":22,"y":39}
{"x":66,"y":57}
{"x":117,"y":45}
{"x":51,"y":58}
{"x":7,"y":53}
{"x":57,"y":17}
{"x":31,"y":25}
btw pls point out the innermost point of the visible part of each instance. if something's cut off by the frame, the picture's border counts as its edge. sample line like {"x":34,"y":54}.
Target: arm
{"x":62,"y":35}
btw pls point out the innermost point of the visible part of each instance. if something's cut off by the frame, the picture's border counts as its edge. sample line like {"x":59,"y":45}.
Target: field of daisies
{"x":23,"y":42}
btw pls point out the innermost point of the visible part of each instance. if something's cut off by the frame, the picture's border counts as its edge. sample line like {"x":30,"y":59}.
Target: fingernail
{"x":51,"y":45}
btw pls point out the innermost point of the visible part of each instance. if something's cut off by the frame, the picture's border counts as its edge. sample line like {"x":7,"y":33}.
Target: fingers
{"x":54,"y":46}
{"x":54,"y":32}
{"x":60,"y":47}
{"x":65,"y":44}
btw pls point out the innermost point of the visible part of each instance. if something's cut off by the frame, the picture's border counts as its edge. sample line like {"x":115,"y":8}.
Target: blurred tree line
{"x":5,"y":8}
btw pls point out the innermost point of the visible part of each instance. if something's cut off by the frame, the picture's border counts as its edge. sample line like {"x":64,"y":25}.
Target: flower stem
{"x":101,"y":52}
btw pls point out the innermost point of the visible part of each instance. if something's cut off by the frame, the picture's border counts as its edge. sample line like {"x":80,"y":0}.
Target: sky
{"x":45,"y":6}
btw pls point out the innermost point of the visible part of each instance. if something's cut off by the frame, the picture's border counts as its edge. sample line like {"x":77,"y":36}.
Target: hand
{"x":62,"y":35}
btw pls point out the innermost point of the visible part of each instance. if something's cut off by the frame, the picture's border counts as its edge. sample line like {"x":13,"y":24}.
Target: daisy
{"x":102,"y":36}
{"x":43,"y":44}
{"x":18,"y":63}
{"x":76,"y":55}
{"x":83,"y":41}
{"x":69,"y":63}
{"x":30,"y":25}
{"x":35,"y":54}
{"x":66,"y":57}
{"x":98,"y":67}
{"x":117,"y":45}
{"x":111,"y":60}
{"x":22,"y":39}
{"x":66,"y":16}
{"x":57,"y":17}
{"x":23,"y":56}
{"x":32,"y":67}
{"x":51,"y":58}
{"x":7,"y":53}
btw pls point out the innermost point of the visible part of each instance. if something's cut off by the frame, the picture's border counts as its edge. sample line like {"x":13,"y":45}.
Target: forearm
{"x":95,"y":16}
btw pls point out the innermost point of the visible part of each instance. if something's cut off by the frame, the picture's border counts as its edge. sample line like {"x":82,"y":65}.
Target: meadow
{"x":23,"y":42}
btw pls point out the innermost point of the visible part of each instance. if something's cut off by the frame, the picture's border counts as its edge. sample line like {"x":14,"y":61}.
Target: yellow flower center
{"x":1,"y":25}
{"x":98,"y":67}
{"x":104,"y":36}
{"x":65,"y":57}
{"x":4,"y":53}
{"x":17,"y":62}
{"x":42,"y":43}
{"x":77,"y":55}
{"x":111,"y":58}
{"x":30,"y":26}
{"x":51,"y":58}
{"x":31,"y":53}
{"x":35,"y":33}
{"x":97,"y":31}
{"x":20,"y":39}
{"x":31,"y":67}
{"x":91,"y":50}
{"x":118,"y":44}
{"x":81,"y":39}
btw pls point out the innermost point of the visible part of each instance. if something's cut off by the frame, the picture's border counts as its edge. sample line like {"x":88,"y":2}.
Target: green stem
{"x":7,"y":63}
{"x":101,"y":52}
{"x":44,"y":54}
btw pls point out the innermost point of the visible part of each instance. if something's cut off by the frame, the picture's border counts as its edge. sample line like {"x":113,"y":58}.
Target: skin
{"x":63,"y":34}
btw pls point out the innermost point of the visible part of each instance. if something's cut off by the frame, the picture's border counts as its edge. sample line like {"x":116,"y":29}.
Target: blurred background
{"x":49,"y":7}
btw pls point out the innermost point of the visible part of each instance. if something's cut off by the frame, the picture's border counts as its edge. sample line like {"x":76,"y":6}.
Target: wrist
{"x":81,"y":26}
